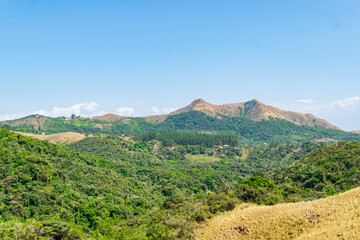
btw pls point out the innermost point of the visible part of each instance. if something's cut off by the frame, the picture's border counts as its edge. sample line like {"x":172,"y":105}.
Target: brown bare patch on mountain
{"x":157,"y":118}
{"x":211,"y":109}
{"x":110,"y":117}
{"x":355,"y":131}
{"x":36,"y":121}
{"x":65,"y":137}
{"x":254,"y":110}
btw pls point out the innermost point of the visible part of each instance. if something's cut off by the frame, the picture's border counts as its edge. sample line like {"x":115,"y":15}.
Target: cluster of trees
{"x":173,"y":137}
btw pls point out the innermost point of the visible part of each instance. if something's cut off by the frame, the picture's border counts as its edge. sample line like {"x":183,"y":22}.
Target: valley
{"x":179,"y":120}
{"x":176,"y":178}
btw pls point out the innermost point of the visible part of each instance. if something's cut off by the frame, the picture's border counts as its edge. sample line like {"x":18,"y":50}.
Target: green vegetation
{"x":171,"y":137}
{"x":324,"y":172}
{"x":246,"y":130}
{"x":331,"y":169}
{"x":47,"y":182}
{"x":51,"y":191}
{"x":105,"y":187}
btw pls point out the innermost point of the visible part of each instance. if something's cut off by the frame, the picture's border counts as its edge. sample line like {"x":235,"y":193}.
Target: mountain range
{"x":253,"y":110}
{"x":250,"y":121}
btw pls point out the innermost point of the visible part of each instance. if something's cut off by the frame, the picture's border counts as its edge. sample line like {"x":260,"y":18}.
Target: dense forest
{"x":172,"y":137}
{"x":105,"y":187}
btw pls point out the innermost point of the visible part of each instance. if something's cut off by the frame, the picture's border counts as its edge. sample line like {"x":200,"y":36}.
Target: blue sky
{"x":144,"y":57}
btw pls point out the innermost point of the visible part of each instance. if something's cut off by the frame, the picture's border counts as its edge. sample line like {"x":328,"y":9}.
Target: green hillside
{"x":70,"y":193}
{"x":244,"y":128}
{"x":323,"y":172}
{"x":109,"y":188}
{"x":330,"y":169}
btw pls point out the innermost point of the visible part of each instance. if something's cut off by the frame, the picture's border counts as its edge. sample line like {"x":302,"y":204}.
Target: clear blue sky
{"x":153,"y":54}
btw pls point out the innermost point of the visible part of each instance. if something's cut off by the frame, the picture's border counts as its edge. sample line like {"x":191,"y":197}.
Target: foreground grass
{"x":336,"y":217}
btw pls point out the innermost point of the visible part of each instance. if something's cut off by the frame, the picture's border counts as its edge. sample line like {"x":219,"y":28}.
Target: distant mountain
{"x":35,"y":121}
{"x":251,"y":121}
{"x":253,"y":110}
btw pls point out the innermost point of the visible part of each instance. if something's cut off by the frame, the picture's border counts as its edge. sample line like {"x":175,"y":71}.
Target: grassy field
{"x":66,"y":137}
{"x":202,"y":158}
{"x":336,"y":217}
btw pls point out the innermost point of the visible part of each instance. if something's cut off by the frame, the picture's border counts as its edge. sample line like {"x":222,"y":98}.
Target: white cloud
{"x":155,"y":110}
{"x":87,"y":109}
{"x":341,"y":112}
{"x":125,"y":111}
{"x":168,"y":110}
{"x":315,"y":106}
{"x":305,"y":101}
{"x":347,"y":103}
{"x":164,"y":110}
{"x":6,"y":117}
{"x":81,"y":109}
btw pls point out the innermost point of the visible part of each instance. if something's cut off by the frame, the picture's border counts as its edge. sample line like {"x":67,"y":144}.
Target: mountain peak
{"x":198,"y":105}
{"x":198,"y":101}
{"x":255,"y":101}
{"x":255,"y":110}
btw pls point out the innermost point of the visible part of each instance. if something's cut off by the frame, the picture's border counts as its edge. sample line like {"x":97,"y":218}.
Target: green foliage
{"x":259,"y":190}
{"x":330,"y":169}
{"x":104,"y":187}
{"x":171,"y":137}
{"x":48,"y":182}
{"x":247,"y":130}
{"x":325,"y":171}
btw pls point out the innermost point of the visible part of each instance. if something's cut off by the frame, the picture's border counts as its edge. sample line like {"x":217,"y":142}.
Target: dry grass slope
{"x":336,"y":217}
{"x":66,"y":137}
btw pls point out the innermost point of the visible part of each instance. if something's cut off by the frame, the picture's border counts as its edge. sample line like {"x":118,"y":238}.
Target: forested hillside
{"x":324,"y":172}
{"x":244,"y":128}
{"x":173,"y":137}
{"x":66,"y":192}
{"x":128,"y":190}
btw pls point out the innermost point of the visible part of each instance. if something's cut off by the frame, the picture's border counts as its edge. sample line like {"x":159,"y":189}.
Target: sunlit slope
{"x":65,"y":137}
{"x":336,"y":217}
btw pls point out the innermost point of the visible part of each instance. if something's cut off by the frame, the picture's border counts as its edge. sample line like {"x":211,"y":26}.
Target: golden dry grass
{"x":336,"y":217}
{"x":65,"y":137}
